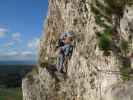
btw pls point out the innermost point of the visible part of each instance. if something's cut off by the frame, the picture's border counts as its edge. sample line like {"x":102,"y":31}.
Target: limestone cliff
{"x":93,"y":73}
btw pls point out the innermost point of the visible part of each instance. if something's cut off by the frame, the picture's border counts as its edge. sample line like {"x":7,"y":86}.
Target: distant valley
{"x":11,"y":73}
{"x":18,"y":62}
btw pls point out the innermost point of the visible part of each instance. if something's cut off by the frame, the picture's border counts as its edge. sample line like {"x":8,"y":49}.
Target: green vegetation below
{"x":10,"y":80}
{"x":10,"y":94}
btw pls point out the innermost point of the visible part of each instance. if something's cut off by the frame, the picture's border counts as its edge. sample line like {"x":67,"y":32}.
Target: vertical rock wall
{"x":91,"y":75}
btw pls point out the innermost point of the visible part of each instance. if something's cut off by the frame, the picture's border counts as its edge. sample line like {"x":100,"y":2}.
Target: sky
{"x":21,"y":24}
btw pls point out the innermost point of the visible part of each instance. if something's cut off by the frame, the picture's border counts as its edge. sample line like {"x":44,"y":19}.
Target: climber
{"x":65,"y":48}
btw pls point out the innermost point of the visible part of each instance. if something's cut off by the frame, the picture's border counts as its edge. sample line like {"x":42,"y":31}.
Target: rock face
{"x":91,"y":75}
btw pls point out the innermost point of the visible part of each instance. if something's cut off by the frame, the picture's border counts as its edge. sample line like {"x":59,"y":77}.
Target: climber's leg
{"x":64,"y":68}
{"x":60,"y":62}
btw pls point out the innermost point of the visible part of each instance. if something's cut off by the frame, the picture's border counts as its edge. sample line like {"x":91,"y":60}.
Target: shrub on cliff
{"x":105,"y":39}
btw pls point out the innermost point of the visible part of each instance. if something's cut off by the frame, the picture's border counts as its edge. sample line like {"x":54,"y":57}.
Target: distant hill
{"x":18,"y":62}
{"x":11,"y":73}
{"x":15,"y":68}
{"x":10,"y":94}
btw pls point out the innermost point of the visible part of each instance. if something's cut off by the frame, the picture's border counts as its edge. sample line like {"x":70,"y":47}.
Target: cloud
{"x":34,"y":43}
{"x":14,"y":55}
{"x":9,"y":44}
{"x":16,"y":36}
{"x":27,"y":53}
{"x":2,"y":32}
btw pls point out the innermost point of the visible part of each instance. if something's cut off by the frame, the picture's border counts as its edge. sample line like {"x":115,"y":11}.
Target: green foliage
{"x":10,"y":94}
{"x":124,"y":46}
{"x":125,"y":74}
{"x":98,"y":19}
{"x":105,"y":40}
{"x":126,"y":62}
{"x":125,"y":69}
